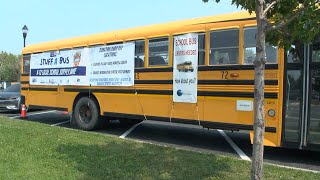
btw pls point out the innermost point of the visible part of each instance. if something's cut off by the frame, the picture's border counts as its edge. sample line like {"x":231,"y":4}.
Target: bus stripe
{"x":206,"y":124}
{"x":48,"y":107}
{"x":236,"y":94}
{"x":24,"y":82}
{"x":158,"y":92}
{"x":234,"y":67}
{"x":40,"y":89}
{"x":166,"y":69}
{"x":202,"y":82}
{"x":210,"y":68}
{"x":153,"y":81}
{"x":209,"y":82}
{"x":235,"y":82}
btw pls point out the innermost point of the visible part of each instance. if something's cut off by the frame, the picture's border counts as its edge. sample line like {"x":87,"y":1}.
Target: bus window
{"x":139,"y":54}
{"x":250,"y":48}
{"x":201,"y":48}
{"x":26,"y":64}
{"x":158,"y":51}
{"x":224,"y":47}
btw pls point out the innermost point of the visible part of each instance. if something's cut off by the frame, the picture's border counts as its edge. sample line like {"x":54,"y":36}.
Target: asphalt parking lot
{"x":194,"y":138}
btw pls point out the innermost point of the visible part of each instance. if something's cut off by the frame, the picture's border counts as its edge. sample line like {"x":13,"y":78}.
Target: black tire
{"x":86,"y":114}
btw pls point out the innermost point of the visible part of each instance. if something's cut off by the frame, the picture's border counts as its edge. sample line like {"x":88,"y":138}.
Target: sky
{"x":49,"y":20}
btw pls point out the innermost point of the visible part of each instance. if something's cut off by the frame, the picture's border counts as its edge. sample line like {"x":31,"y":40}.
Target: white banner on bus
{"x":59,"y":68}
{"x":185,"y":68}
{"x":112,"y":65}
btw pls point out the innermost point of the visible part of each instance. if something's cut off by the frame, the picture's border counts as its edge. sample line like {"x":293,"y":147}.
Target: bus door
{"x":313,"y":131}
{"x":301,"y":119}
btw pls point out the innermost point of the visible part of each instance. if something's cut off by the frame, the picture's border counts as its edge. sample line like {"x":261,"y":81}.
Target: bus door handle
{"x":234,"y":75}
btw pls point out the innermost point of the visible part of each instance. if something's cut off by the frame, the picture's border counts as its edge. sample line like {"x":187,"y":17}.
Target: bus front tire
{"x":86,"y":114}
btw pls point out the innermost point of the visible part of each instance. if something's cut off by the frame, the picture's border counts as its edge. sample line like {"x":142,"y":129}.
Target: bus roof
{"x":157,"y":30}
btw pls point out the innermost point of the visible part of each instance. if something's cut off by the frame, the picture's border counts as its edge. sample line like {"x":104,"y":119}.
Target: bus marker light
{"x":271,"y":113}
{"x":234,"y":75}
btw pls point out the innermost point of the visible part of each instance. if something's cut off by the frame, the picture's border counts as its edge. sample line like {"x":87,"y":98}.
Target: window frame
{"x":23,"y":63}
{"x":204,"y":50}
{"x":144,"y":51}
{"x":227,"y":47}
{"x":155,"y":39}
{"x":243,"y":48}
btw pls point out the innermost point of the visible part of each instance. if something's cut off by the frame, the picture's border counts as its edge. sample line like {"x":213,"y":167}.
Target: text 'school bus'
{"x":196,"y":71}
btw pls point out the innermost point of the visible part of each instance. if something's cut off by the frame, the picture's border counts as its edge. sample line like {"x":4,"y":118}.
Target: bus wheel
{"x":86,"y":114}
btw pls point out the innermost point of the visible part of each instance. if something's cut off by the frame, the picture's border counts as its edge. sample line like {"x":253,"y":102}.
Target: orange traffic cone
{"x":23,"y":111}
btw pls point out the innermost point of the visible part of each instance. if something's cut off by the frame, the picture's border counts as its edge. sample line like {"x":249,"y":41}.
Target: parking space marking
{"x":31,"y":114}
{"x":129,"y":131}
{"x":60,"y":123}
{"x":295,"y":168}
{"x":234,"y":146}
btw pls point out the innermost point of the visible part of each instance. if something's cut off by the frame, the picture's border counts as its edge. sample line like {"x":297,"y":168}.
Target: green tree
{"x":284,"y":21}
{"x":9,"y":67}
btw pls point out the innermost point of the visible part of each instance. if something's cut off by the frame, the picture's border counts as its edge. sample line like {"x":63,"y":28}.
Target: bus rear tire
{"x":86,"y":114}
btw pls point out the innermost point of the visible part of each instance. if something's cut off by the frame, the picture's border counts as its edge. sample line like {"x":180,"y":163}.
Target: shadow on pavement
{"x":197,"y":138}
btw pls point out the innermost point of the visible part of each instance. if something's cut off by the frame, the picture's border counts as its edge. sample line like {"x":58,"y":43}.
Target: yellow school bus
{"x":225,"y":81}
{"x":186,"y":66}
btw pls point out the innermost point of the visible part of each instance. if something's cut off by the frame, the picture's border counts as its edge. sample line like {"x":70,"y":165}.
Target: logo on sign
{"x":76,"y":59}
{"x":53,"y":54}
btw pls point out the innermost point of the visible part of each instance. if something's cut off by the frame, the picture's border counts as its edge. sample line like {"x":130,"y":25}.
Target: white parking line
{"x":129,"y":131}
{"x":31,"y":114}
{"x":295,"y":168}
{"x":60,"y":123}
{"x":234,"y":146}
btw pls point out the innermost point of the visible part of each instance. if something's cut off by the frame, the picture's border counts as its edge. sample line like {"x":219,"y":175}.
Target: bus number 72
{"x":224,"y":74}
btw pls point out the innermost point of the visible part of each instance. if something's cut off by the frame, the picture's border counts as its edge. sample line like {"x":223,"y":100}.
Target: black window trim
{"x":159,"y":39}
{"x":144,"y":51}
{"x":229,"y":47}
{"x":255,"y":27}
{"x":23,"y":59}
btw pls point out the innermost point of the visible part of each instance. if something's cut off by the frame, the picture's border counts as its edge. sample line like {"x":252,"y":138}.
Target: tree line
{"x":9,"y":67}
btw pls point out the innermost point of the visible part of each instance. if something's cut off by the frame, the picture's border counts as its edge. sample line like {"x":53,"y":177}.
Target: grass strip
{"x":32,"y":150}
